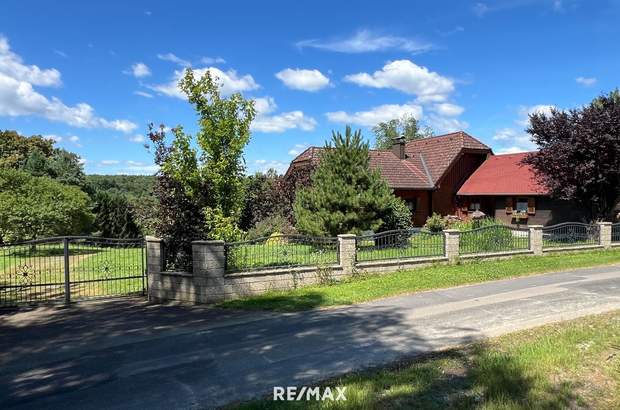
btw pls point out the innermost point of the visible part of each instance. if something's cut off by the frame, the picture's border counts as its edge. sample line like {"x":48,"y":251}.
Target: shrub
{"x":435,"y":223}
{"x":270,"y":225}
{"x":398,"y":216}
{"x":114,"y":216}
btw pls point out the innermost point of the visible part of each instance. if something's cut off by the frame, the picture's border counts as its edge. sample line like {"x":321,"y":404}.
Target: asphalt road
{"x":128,"y":354}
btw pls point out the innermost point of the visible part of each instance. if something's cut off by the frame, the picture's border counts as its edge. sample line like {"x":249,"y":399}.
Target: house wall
{"x":548,"y":211}
{"x":422,"y":204}
{"x":444,"y":198}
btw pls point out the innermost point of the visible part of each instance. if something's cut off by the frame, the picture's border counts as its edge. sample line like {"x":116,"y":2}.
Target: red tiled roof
{"x":439,"y":152}
{"x":426,"y":160}
{"x":503,"y":175}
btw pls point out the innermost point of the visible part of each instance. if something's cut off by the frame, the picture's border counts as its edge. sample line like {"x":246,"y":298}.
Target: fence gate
{"x":71,"y":268}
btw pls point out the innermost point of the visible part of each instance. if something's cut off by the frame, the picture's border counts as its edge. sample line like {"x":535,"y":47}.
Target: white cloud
{"x":138,"y":168}
{"x":376,"y":115}
{"x":586,"y":81}
{"x":74,"y":138}
{"x":511,"y":150}
{"x":301,"y":79}
{"x":11,"y":65}
{"x":60,"y":53}
{"x":265,"y":122}
{"x":53,"y":137}
{"x":297,"y":149}
{"x":137,"y":138}
{"x":108,"y":162}
{"x":264,"y":165}
{"x":364,"y":41}
{"x":143,"y":94}
{"x":284,"y":121}
{"x":174,"y":59}
{"x":212,"y":60}
{"x":408,"y":77}
{"x":18,"y":97}
{"x":480,"y":9}
{"x":441,"y":124}
{"x":231,"y":82}
{"x":526,"y":111}
{"x":139,"y":70}
{"x":448,"y":109}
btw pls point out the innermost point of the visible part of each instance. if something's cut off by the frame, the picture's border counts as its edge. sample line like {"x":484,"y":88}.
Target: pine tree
{"x":346,"y":196}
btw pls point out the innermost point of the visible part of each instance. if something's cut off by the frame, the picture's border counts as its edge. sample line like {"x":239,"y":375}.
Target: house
{"x":455,"y":174}
{"x":504,"y":188}
{"x":426,"y":173}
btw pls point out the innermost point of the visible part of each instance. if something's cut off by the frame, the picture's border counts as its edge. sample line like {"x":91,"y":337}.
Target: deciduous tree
{"x":579,"y":154}
{"x":406,"y":126}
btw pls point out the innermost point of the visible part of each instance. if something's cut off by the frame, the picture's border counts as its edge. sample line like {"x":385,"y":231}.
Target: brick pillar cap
{"x":347,"y":235}
{"x":536,"y":226}
{"x":451,"y":231}
{"x":604,"y":223}
{"x":152,"y":239}
{"x":208,"y":242}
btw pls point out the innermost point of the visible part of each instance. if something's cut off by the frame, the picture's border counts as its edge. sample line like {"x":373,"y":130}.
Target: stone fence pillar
{"x":536,"y":239}
{"x":347,"y":250}
{"x":605,"y":234}
{"x":209,"y":259}
{"x":452,"y":237}
{"x":154,"y":254}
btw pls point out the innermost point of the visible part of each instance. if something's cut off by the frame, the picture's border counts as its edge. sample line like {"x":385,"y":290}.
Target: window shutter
{"x":531,"y":206}
{"x":508,"y":205}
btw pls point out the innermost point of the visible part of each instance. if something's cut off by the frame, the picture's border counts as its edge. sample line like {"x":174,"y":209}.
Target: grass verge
{"x":363,"y":289}
{"x":574,"y":364}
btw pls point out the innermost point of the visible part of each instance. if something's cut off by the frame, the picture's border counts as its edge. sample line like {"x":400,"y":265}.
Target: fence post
{"x":347,"y":252}
{"x":65,"y":244}
{"x":154,"y":255}
{"x":452,"y":243}
{"x":208,"y":259}
{"x":536,"y":239}
{"x":605,"y":234}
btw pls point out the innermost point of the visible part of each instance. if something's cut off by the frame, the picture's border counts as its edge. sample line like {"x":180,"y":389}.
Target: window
{"x":522,"y":204}
{"x":474,"y":206}
{"x":412,"y":204}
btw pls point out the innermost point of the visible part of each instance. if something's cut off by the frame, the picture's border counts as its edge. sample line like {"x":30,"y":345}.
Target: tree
{"x":406,"y":126}
{"x":346,"y":196}
{"x":114,"y":217}
{"x":33,"y":207}
{"x":264,"y":198}
{"x":224,"y":133}
{"x":579,"y":154}
{"x":37,"y":156}
{"x":200,"y":186}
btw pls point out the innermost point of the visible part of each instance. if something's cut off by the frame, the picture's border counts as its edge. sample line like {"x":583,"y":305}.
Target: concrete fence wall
{"x":209,"y":283}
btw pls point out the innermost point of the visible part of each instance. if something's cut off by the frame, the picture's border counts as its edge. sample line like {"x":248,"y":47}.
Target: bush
{"x":435,"y":223}
{"x":270,"y":225}
{"x":398,"y":216}
{"x":34,"y":207}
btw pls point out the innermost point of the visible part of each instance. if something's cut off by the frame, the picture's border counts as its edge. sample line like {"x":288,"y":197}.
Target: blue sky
{"x":92,"y":75}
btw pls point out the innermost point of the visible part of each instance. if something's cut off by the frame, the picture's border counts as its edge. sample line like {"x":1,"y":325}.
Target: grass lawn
{"x":573,"y":365}
{"x":369,"y":287}
{"x":280,"y":253}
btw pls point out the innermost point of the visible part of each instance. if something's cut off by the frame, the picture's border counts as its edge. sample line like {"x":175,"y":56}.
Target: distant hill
{"x":132,"y":186}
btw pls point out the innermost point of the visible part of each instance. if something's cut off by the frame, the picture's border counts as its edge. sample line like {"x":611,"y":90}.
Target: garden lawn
{"x":574,"y":364}
{"x":362,"y":289}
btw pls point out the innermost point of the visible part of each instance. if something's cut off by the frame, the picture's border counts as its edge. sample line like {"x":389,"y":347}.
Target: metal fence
{"x":279,"y":251}
{"x":494,"y":238}
{"x":399,"y":244}
{"x":615,"y":232}
{"x":69,"y":268}
{"x":570,"y":234}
